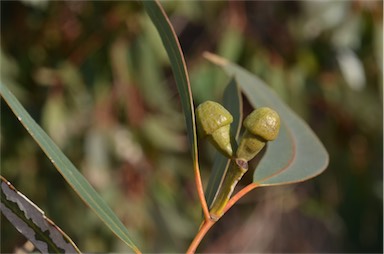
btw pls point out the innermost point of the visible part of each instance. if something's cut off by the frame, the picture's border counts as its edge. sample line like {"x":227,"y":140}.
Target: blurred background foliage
{"x":96,"y":77}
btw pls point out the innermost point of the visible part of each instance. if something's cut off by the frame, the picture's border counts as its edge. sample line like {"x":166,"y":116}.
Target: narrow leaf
{"x":172,"y":46}
{"x":74,"y":178}
{"x":178,"y":65}
{"x":233,"y":103}
{"x":297,"y":154}
{"x":31,"y":221}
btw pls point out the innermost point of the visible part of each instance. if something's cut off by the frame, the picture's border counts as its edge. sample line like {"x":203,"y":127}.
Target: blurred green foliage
{"x":96,"y":77}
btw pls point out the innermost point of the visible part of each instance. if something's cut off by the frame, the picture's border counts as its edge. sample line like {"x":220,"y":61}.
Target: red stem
{"x":208,"y":223}
{"x":239,"y":195}
{"x":200,"y":192}
{"x":200,"y":235}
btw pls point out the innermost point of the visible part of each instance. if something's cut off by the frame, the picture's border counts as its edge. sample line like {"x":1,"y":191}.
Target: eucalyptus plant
{"x":294,"y":152}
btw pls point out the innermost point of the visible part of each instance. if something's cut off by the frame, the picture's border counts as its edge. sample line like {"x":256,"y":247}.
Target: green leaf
{"x":30,"y":220}
{"x":233,"y":103}
{"x":74,"y":178}
{"x":297,"y":154}
{"x":179,"y":68}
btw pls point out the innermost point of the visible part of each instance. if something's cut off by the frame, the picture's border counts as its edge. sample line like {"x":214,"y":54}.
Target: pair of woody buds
{"x":261,"y":126}
{"x":213,"y":121}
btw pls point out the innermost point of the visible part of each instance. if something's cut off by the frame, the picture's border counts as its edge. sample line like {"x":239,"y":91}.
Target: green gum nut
{"x":213,"y":121}
{"x":261,"y":126}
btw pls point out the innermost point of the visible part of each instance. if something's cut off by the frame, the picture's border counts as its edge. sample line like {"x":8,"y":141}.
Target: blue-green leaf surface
{"x":297,"y":154}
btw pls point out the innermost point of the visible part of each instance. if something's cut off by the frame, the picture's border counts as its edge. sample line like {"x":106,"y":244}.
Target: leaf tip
{"x":215,"y":58}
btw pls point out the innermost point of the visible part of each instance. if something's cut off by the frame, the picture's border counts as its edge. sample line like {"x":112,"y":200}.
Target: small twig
{"x":207,"y":224}
{"x":137,"y":251}
{"x":200,"y":192}
{"x":239,"y":195}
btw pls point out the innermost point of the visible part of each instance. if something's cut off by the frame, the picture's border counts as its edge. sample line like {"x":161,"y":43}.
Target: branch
{"x":239,"y":195}
{"x":207,"y":224}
